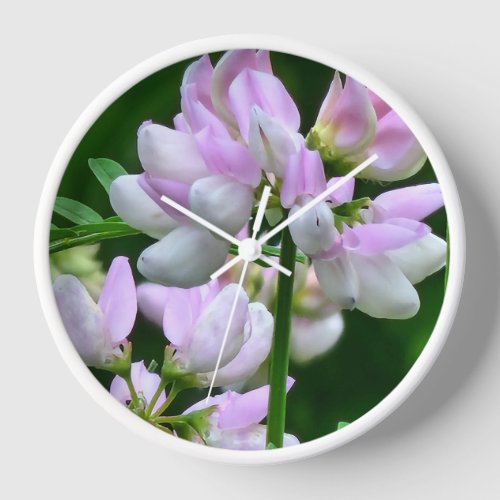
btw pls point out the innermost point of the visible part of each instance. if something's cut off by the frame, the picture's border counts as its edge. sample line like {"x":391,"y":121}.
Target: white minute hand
{"x":200,"y":220}
{"x":318,"y":199}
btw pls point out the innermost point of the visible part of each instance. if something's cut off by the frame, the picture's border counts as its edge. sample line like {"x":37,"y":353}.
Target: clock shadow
{"x":472,"y":331}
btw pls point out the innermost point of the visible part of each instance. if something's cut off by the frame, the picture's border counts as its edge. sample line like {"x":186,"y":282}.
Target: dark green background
{"x":372,"y":355}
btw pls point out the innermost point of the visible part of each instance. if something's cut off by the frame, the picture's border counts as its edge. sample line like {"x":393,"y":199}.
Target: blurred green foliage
{"x":372,"y":355}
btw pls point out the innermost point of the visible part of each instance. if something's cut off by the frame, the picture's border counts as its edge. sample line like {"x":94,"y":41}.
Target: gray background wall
{"x":442,"y":57}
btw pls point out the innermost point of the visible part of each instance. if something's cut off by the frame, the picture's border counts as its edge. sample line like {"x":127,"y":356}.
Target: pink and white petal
{"x":146,"y":383}
{"x":373,"y":239}
{"x":304,"y":175}
{"x":156,"y":187}
{"x":118,"y":300}
{"x":342,"y":194}
{"x":168,"y":153}
{"x":314,"y":231}
{"x":179,"y":316}
{"x":253,"y":352}
{"x":180,"y":124}
{"x":421,"y":258}
{"x":413,"y":202}
{"x":263,"y":61}
{"x":353,"y":119}
{"x":400,"y":155}
{"x":247,"y":409}
{"x":119,"y":390}
{"x":184,"y":258}
{"x":228,"y":157}
{"x":255,"y":88}
{"x":82,"y":319}
{"x":152,"y":299}
{"x":206,"y":341}
{"x":198,"y":116}
{"x":200,"y":74}
{"x":222,"y":201}
{"x":338,"y":280}
{"x":226,"y":70}
{"x":380,"y":106}
{"x":384,"y":291}
{"x":270,"y":143}
{"x":330,"y":101}
{"x":312,"y":338}
{"x":137,"y":209}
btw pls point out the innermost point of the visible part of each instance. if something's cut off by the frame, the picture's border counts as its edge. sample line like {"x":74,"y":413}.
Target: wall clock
{"x":249,"y":250}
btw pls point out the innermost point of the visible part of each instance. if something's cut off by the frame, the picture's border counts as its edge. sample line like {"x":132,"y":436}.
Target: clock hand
{"x":228,"y":265}
{"x":255,"y":248}
{"x":259,"y":216}
{"x":229,"y":322}
{"x":201,"y":221}
{"x":318,"y":199}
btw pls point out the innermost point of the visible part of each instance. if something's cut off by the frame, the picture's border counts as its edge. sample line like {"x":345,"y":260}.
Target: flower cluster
{"x":239,"y":131}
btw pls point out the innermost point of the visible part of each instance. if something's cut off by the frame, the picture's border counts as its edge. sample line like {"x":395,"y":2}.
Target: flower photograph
{"x":248,"y":250}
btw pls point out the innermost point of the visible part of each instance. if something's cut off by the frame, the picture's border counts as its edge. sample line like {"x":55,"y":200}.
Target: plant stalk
{"x":280,"y":351}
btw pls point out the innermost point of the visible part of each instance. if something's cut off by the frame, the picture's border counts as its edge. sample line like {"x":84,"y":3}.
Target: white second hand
{"x":230,"y":320}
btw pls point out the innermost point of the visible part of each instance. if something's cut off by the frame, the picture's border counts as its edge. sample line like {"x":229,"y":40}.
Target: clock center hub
{"x":250,"y":249}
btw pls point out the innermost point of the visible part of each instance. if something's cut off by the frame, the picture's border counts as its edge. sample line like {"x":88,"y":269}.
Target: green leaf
{"x":152,"y":366}
{"x":59,"y":234}
{"x":351,"y":208}
{"x":106,"y":171}
{"x":75,"y":211}
{"x":271,"y":446}
{"x":340,"y":425}
{"x":88,"y":234}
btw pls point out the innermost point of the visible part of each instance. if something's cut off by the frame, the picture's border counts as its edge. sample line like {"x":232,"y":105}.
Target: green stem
{"x":169,"y":420}
{"x":154,"y":399}
{"x":278,"y":369}
{"x":171,"y":396}
{"x":133,"y":392}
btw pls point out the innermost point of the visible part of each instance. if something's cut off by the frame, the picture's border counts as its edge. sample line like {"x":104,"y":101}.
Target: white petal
{"x":384,"y":291}
{"x":420,"y":259}
{"x":206,"y":342}
{"x":338,"y":280}
{"x":169,"y":153}
{"x":184,"y":258}
{"x":311,"y":338}
{"x":222,"y":201}
{"x":82,"y":319}
{"x":254,"y":350}
{"x":252,"y":437}
{"x":314,"y":231}
{"x":137,"y":209}
{"x":270,"y":143}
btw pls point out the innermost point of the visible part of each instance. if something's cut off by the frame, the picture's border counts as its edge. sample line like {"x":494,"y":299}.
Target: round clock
{"x":249,"y":250}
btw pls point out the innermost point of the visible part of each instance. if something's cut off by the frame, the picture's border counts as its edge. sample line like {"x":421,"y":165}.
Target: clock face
{"x":250,"y":250}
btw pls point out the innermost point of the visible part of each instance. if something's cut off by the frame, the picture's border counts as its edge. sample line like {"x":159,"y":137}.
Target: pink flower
{"x":354,"y":123}
{"x":235,"y":422}
{"x":255,"y":104}
{"x":195,"y":321}
{"x":373,"y":266}
{"x":145,"y":383}
{"x":97,"y":330}
{"x":184,"y":313}
{"x":346,"y":120}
